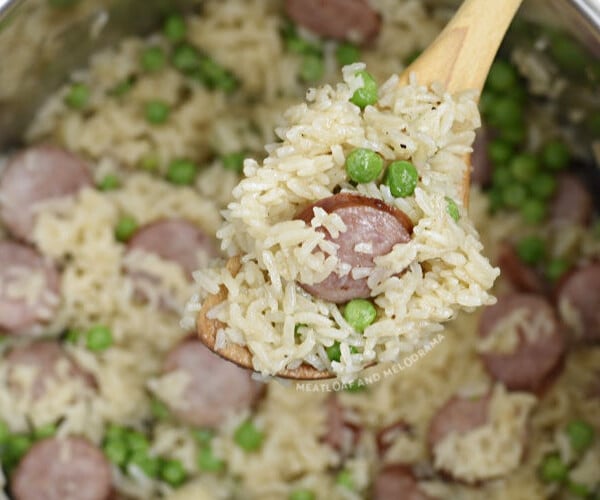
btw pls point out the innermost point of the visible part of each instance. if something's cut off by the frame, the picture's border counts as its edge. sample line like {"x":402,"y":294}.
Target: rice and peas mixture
{"x":145,"y":121}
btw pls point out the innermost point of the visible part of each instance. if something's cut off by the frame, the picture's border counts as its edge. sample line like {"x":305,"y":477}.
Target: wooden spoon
{"x":460,"y":58}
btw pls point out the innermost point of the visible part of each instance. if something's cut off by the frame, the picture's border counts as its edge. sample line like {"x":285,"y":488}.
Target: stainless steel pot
{"x":41,"y":41}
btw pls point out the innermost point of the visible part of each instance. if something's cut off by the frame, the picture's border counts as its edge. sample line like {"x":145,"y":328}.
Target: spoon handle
{"x":461,"y":56}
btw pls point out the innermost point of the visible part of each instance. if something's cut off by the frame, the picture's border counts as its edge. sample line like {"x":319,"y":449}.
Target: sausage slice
{"x":535,"y":352}
{"x":579,"y":302}
{"x":45,"y":356}
{"x":340,"y":434}
{"x":215,"y":387}
{"x":69,"y":468}
{"x":33,"y":176}
{"x":572,"y":203}
{"x":353,"y":20}
{"x":397,"y":482}
{"x":29,"y":289}
{"x":176,"y":240}
{"x":460,"y":415}
{"x":368,"y":220}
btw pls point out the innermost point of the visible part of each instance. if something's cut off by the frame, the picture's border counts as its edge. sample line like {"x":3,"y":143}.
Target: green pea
{"x":299,"y":45}
{"x":555,"y":155}
{"x":149,"y":465}
{"x":203,"y":436}
{"x":452,"y":209}
{"x":496,"y":199}
{"x":514,"y":195}
{"x":312,"y":68}
{"x":581,"y":435}
{"x":502,"y":76}
{"x":186,"y":58}
{"x":515,"y":134}
{"x":157,"y":112}
{"x":367,"y":94}
{"x":159,"y":410}
{"x":543,"y":185}
{"x":412,"y":57}
{"x":182,"y":172}
{"x":360,"y":313}
{"x":153,"y":59}
{"x":487,"y":102}
{"x":174,"y":28}
{"x":524,"y":166}
{"x":15,"y":447}
{"x":333,"y":352}
{"x":172,"y":472}
{"x":116,"y":433}
{"x":556,"y":268}
{"x":44,"y":431}
{"x":109,"y":182}
{"x":136,"y":441}
{"x":363,"y":165}
{"x":533,"y":211}
{"x":402,"y":178}
{"x":213,"y":75}
{"x":505,"y":113}
{"x":125,"y":228}
{"x":98,"y":338}
{"x":234,"y":161}
{"x":531,"y":249}
{"x":122,"y":88}
{"x":302,"y":494}
{"x":4,"y":432}
{"x":72,"y":336}
{"x":208,"y":462}
{"x":502,"y":177}
{"x":579,"y":490}
{"x":347,"y":53}
{"x":553,"y":469}
{"x":297,"y":332}
{"x":345,"y":479}
{"x":568,"y":54}
{"x":78,"y":95}
{"x":500,"y":152}
{"x":248,"y":437}
{"x":116,"y":451}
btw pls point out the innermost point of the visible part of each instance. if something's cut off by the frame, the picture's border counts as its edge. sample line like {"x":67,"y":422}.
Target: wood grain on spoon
{"x":460,"y":58}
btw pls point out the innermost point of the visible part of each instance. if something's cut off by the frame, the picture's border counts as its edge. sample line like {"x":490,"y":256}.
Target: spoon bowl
{"x":459,"y":58}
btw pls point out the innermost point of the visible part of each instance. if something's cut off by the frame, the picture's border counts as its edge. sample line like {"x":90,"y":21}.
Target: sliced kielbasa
{"x":45,"y":357}
{"x":353,"y":20}
{"x":29,"y":289}
{"x":340,"y":434}
{"x":397,"y":482}
{"x":176,"y":240}
{"x":367,"y":220}
{"x":387,"y":435}
{"x":522,"y":277}
{"x":572,"y":203}
{"x":529,"y":361}
{"x":68,"y":468}
{"x":36,"y":175}
{"x":460,"y":415}
{"x":578,"y":302}
{"x":481,"y":166}
{"x":214,"y":387}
